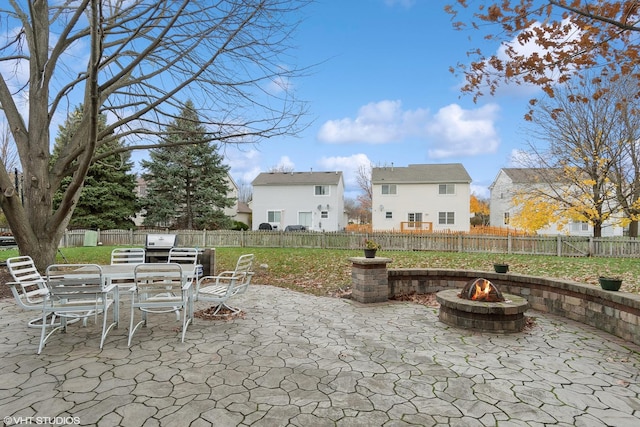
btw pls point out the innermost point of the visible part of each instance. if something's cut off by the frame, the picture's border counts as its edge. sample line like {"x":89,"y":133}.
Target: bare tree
{"x":245,"y":192}
{"x":363,"y":179}
{"x":281,"y":168}
{"x":587,"y":140}
{"x":136,"y":62}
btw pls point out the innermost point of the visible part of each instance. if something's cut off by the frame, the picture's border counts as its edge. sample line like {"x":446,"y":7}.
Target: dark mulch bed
{"x":5,"y":276}
{"x":224,"y":314}
{"x":425,"y":299}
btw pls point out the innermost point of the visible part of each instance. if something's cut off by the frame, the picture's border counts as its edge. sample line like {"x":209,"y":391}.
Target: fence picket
{"x":446,"y":242}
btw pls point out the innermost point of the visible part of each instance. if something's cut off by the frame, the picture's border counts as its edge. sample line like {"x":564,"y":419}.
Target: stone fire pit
{"x":497,"y":312}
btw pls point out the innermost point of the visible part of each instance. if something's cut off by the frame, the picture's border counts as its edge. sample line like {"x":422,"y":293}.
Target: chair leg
{"x":105,"y":314}
{"x":185,"y":322}
{"x":44,"y":336}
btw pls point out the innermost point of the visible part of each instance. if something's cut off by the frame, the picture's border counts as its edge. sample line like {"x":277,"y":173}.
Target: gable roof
{"x":421,"y":174}
{"x":298,"y":178}
{"x":534,"y":175}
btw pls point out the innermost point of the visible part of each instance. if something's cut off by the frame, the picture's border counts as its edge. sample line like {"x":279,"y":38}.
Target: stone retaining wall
{"x":615,"y":312}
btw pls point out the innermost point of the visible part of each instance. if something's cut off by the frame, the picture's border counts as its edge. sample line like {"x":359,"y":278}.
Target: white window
{"x":321,"y":190}
{"x":414,"y":217}
{"x":447,"y":189}
{"x":579,"y":226}
{"x":388,"y":215}
{"x":389,"y":189}
{"x":273,"y":216}
{"x":446,"y":218}
{"x":324,"y":214}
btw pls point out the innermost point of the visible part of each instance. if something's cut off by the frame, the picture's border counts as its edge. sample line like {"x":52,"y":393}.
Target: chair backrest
{"x":157,"y":279}
{"x":23,"y":270}
{"x":31,"y":286}
{"x":74,"y":281}
{"x":183,"y":256}
{"x":128,"y":256}
{"x":244,"y":267}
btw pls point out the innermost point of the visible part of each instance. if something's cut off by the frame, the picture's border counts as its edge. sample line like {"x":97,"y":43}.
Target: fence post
{"x":559,"y":245}
{"x":460,"y":245}
{"x":509,"y":244}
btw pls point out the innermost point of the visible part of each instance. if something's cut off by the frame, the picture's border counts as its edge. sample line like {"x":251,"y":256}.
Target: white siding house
{"x":428,"y":197}
{"x":312,"y":199}
{"x":511,"y":181}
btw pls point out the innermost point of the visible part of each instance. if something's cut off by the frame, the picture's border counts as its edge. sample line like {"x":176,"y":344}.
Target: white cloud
{"x":285,"y":163}
{"x":376,"y":123}
{"x":452,"y":131}
{"x":244,"y":163}
{"x":480,"y":191}
{"x":349,"y":166}
{"x":459,"y":132}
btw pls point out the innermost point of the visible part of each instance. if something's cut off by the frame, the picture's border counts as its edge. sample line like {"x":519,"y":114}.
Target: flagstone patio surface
{"x":294,"y":359}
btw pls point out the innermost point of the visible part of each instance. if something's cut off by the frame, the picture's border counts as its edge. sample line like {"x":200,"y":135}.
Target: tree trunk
{"x":597,"y":229}
{"x":633,"y":229}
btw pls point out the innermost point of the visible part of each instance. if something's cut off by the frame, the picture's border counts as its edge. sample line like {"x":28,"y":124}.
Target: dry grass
{"x":328,"y":272}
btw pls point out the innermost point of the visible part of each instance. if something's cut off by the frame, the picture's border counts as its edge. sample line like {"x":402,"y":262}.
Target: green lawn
{"x":323,"y":272}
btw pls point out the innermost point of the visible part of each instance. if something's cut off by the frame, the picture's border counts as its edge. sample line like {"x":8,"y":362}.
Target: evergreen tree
{"x":186,"y":180}
{"x":108,"y":199}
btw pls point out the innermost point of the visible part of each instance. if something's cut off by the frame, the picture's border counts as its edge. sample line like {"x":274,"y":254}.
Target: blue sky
{"x":382,"y":93}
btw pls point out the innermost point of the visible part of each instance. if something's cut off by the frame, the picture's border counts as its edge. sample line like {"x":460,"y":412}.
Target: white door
{"x":304,"y":218}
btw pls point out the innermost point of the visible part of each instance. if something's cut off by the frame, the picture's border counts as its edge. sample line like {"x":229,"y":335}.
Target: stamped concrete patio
{"x":299,"y":360}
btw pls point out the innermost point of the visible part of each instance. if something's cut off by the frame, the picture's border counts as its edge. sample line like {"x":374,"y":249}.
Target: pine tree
{"x":108,"y":199}
{"x":186,"y":181}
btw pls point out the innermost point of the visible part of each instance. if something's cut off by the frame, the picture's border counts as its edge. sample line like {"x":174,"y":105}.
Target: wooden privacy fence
{"x":443,"y":242}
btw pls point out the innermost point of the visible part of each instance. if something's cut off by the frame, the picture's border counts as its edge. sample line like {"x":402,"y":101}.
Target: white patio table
{"x":125,"y":273}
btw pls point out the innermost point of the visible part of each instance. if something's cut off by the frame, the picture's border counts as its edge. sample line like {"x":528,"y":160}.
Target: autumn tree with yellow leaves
{"x":480,"y":210}
{"x":584,"y":56}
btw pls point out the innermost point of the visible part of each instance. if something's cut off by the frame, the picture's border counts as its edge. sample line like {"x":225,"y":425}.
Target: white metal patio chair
{"x":127,"y":256}
{"x":77,"y":291}
{"x":121,"y":256}
{"x":219,"y":289}
{"x":160,"y":288}
{"x":28,"y":287}
{"x":188,"y":259}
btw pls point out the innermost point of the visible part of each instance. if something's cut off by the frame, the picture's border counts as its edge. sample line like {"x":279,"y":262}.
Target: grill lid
{"x":161,"y":241}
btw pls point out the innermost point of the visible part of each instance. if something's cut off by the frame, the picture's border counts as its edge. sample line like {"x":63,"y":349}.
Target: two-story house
{"x":431,"y":197}
{"x":312,"y":199}
{"x":512,"y":181}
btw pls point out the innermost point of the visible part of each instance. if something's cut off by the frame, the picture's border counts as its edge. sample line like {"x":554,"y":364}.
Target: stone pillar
{"x":369,"y":279}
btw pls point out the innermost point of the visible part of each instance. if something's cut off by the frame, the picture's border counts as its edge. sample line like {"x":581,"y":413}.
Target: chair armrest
{"x":223,"y":275}
{"x":35,"y":292}
{"x":110,"y":287}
